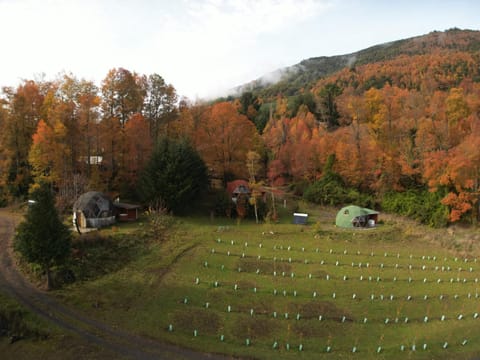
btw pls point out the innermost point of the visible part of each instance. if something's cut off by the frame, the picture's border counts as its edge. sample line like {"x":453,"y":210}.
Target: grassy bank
{"x":18,"y":324}
{"x":24,"y":335}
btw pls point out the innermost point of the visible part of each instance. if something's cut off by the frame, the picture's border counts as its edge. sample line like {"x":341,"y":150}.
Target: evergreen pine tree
{"x":42,"y":238}
{"x":174,"y":176}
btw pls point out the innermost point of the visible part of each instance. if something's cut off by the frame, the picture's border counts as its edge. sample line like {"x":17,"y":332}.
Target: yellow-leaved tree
{"x":49,"y":156}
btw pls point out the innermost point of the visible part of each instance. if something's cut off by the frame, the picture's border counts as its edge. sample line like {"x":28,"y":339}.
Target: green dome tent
{"x":355,"y":216}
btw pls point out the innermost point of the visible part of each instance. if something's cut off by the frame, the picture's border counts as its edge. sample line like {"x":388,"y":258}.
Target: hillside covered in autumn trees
{"x":396,"y":125}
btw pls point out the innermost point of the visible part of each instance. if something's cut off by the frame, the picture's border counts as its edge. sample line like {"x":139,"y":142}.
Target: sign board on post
{"x":300,"y":218}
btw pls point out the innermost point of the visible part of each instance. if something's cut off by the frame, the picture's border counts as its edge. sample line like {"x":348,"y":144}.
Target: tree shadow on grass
{"x":207,"y":322}
{"x":95,"y":255}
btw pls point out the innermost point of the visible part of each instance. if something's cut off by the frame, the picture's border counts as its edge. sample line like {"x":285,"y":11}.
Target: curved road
{"x":120,"y":342}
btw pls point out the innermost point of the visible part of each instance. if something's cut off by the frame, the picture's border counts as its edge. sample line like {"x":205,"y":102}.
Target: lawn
{"x":284,"y":290}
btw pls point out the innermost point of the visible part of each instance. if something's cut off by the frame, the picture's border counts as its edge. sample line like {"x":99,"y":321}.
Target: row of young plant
{"x":329,"y":345}
{"x":277,"y":344}
{"x":289,"y":248}
{"x":360,"y":265}
{"x":285,"y":315}
{"x":466,"y":292}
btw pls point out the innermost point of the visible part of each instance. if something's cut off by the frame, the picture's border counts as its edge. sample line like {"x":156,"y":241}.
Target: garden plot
{"x":304,"y":297}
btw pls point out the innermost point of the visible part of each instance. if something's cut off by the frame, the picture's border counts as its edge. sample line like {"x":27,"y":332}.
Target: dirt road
{"x":94,"y":332}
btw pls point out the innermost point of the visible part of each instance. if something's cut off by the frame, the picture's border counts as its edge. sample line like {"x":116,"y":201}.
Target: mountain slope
{"x":289,"y":81}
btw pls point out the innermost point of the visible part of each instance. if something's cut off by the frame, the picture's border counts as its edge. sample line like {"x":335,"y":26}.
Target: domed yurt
{"x":93,"y":210}
{"x":353,"y":216}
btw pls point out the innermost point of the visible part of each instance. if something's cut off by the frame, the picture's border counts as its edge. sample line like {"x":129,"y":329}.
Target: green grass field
{"x":284,"y":290}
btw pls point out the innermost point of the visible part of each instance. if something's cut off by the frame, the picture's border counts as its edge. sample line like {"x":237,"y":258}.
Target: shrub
{"x":420,"y":205}
{"x":331,"y":190}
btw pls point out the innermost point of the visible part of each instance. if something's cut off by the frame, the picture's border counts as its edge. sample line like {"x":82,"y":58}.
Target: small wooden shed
{"x":126,"y":212}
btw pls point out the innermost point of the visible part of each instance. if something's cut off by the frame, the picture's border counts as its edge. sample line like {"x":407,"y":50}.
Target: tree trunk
{"x":273,"y":206}
{"x":49,"y":278}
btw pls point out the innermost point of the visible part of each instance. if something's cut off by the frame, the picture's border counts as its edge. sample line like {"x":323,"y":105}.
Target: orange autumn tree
{"x":190,"y":117}
{"x":451,"y":170}
{"x":275,"y":136}
{"x":139,"y":146}
{"x":49,"y":156}
{"x":88,"y":115}
{"x":457,"y":112}
{"x":463,"y":170}
{"x":355,"y":164}
{"x":65,"y":114}
{"x":41,"y":155}
{"x":223,"y":139}
{"x":122,"y":96}
{"x":354,"y":145}
{"x":298,"y":150}
{"x":454,"y":164}
{"x":384,"y":109}
{"x":293,"y":143}
{"x":24,"y":110}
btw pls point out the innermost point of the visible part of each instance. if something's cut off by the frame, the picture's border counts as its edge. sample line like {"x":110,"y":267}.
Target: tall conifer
{"x":42,"y":238}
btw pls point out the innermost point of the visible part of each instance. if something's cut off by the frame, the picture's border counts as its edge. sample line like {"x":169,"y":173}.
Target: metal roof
{"x":94,"y":204}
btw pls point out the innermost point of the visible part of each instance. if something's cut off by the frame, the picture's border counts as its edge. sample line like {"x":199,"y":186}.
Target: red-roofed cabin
{"x":236,"y":188}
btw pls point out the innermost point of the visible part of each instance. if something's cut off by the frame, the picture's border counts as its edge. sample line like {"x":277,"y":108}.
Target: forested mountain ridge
{"x":293,"y":79}
{"x":402,"y":119}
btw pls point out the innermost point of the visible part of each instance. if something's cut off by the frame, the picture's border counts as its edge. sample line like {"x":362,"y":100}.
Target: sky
{"x":204,"y":47}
